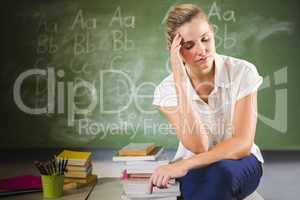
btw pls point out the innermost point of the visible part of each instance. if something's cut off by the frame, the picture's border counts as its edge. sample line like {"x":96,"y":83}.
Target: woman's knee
{"x":220,"y":173}
{"x":212,"y":182}
{"x":218,"y":183}
{"x":192,"y":182}
{"x":194,"y":177}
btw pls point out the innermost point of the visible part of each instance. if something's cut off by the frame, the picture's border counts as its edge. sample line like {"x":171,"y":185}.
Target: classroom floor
{"x":281,"y":179}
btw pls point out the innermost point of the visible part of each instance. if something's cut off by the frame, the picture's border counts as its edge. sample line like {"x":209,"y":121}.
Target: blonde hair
{"x":179,"y":15}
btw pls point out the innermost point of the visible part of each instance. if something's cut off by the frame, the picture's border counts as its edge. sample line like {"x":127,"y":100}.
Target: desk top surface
{"x":104,"y":189}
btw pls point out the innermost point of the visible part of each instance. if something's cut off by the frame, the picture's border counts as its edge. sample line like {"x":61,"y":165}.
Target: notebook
{"x":137,"y":149}
{"x":152,"y":156}
{"x":75,"y":157}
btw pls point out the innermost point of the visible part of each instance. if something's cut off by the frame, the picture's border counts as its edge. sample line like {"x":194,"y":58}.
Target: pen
{"x":65,"y":167}
{"x":49,"y":167}
{"x":59,"y":166}
{"x":38,"y":166}
{"x":54,"y":165}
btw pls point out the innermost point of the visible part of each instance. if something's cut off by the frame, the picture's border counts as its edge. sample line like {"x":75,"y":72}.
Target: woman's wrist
{"x":189,"y":164}
{"x":193,"y":162}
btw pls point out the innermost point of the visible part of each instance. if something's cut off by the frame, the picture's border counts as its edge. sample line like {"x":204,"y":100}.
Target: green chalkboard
{"x":82,"y":73}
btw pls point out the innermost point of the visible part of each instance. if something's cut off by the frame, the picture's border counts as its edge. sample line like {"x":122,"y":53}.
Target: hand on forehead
{"x":194,"y":29}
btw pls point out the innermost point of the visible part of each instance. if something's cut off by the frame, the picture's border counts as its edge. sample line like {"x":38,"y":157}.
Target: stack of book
{"x":79,"y":169}
{"x":141,"y":159}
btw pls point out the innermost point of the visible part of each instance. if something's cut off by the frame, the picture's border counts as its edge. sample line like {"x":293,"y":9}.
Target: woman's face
{"x":198,"y":44}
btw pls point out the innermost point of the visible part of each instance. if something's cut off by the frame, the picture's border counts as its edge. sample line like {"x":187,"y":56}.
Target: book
{"x":140,"y":171}
{"x":78,"y":174}
{"x":75,"y":157}
{"x":4,"y":193}
{"x":88,"y":179}
{"x":79,"y":168}
{"x":152,"y":156}
{"x":171,"y":181}
{"x":125,"y":176}
{"x":124,"y":197}
{"x":144,"y":167}
{"x":140,"y":189}
{"x":77,"y":185}
{"x":137,"y":149}
{"x":21,"y":183}
{"x":73,"y":185}
{"x":159,"y":162}
{"x":138,"y":176}
{"x":78,"y":163}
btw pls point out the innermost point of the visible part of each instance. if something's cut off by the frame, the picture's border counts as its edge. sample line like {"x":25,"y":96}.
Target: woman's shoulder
{"x":237,"y":64}
{"x":237,"y":70}
{"x":243,"y":75}
{"x":237,"y":67}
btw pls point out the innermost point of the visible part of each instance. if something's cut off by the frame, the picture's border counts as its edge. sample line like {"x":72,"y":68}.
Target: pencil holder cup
{"x":53,"y":186}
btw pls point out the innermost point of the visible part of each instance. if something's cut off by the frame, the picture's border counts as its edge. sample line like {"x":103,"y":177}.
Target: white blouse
{"x":234,"y":79}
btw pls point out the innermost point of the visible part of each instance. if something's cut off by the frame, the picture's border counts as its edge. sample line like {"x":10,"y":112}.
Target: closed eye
{"x":188,"y":45}
{"x":205,"y":39}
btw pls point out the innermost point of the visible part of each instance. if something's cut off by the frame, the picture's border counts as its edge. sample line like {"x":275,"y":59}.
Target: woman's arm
{"x":184,"y":118}
{"x":239,"y":146}
{"x":190,"y":134}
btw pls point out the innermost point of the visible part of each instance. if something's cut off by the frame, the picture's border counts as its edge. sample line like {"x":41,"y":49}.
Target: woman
{"x":211,"y":101}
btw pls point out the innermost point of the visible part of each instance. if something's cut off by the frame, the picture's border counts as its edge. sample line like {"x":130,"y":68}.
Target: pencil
{"x":44,"y":171}
{"x":54,"y":165}
{"x":66,"y":163}
{"x":37,"y":165}
{"x":48,"y":168}
{"x":59,"y":164}
{"x":62,"y":166}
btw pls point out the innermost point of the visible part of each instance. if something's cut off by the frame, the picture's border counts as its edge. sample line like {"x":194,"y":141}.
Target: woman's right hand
{"x":178,"y":67}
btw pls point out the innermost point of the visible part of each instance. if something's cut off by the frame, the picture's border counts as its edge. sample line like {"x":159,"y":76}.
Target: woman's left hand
{"x":164,"y":173}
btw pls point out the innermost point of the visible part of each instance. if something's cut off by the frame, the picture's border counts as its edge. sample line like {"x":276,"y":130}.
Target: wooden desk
{"x":111,"y":189}
{"x":107,"y":189}
{"x":104,"y":189}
